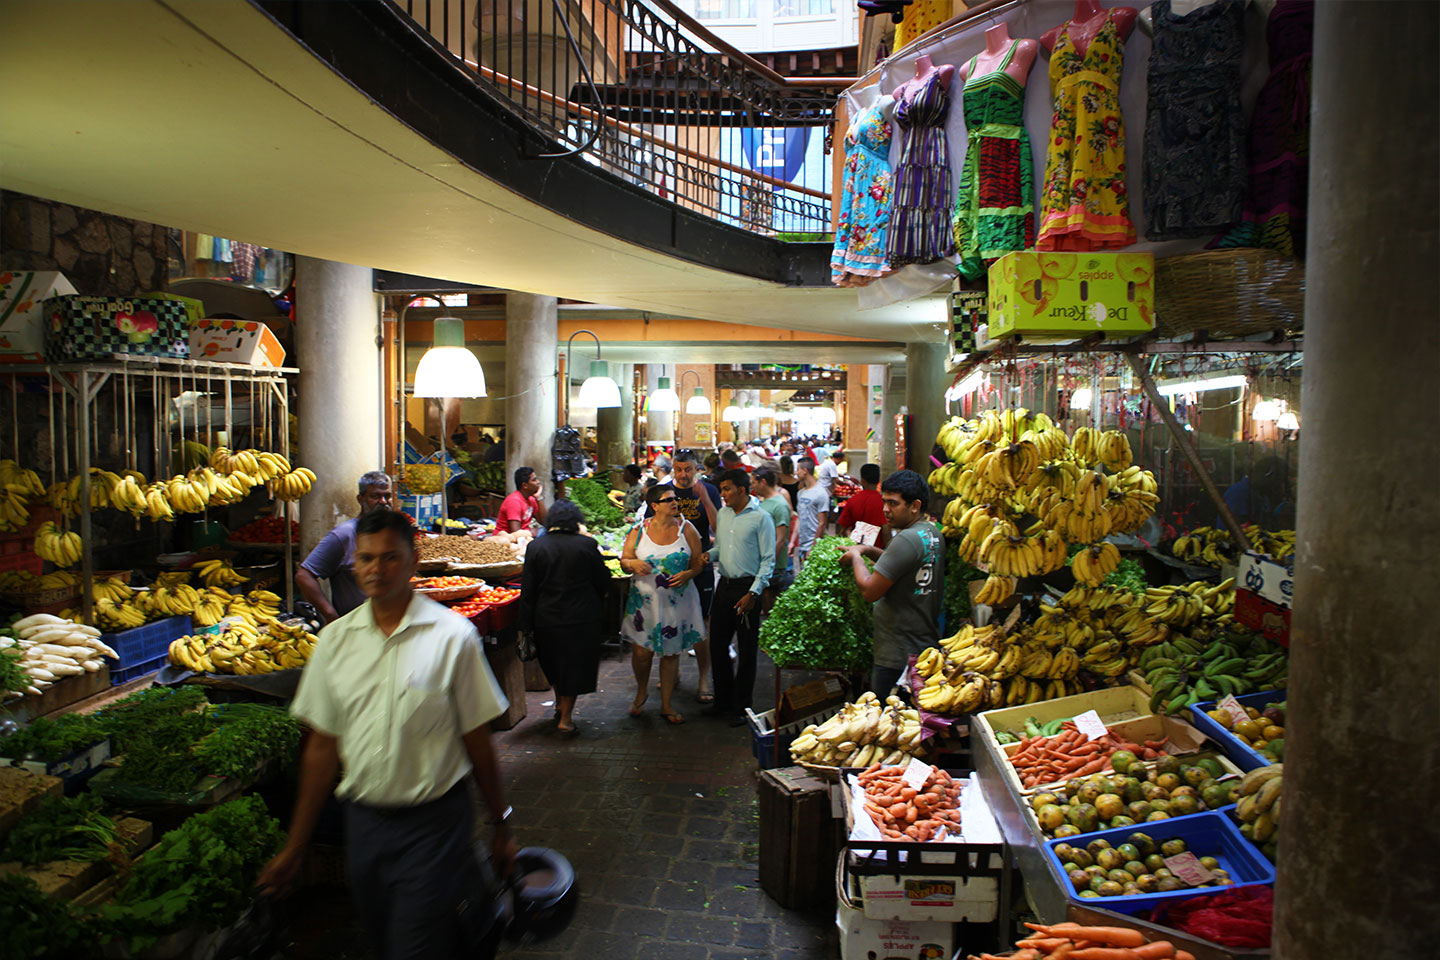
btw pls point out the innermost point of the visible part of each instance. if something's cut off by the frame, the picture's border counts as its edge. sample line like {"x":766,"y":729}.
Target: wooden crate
{"x":505,"y":663}
{"x":800,"y":838}
{"x":21,"y":792}
{"x":57,"y":696}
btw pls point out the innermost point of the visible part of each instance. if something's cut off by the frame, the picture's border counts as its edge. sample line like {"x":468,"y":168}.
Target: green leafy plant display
{"x":958,"y":575}
{"x":595,"y":506}
{"x":249,"y":735}
{"x":822,"y":621}
{"x":64,"y":828}
{"x":1130,"y":575}
{"x":34,"y":925}
{"x":51,"y":740}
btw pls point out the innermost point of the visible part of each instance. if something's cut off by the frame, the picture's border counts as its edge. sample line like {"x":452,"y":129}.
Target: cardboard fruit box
{"x":22,"y":315}
{"x":1068,"y":295}
{"x":236,"y":341}
{"x":96,"y":328}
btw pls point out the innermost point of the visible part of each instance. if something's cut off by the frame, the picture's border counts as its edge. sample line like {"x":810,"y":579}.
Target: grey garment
{"x":907,"y":617}
{"x":416,"y":881}
{"x":811,"y":504}
{"x":884,"y":679}
{"x":333,"y":559}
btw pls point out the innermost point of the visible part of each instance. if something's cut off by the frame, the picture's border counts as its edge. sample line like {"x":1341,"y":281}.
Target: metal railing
{"x":643,"y":91}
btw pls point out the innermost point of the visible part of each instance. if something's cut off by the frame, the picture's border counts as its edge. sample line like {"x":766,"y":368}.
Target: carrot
{"x":1184,"y":955}
{"x":1065,"y":929}
{"x":1156,"y":950}
{"x":1026,"y":955}
{"x":1092,"y":766}
{"x":1104,"y":953}
{"x":1062,"y":952}
{"x":1043,"y":943}
{"x":1087,"y":748}
{"x":1114,"y":936}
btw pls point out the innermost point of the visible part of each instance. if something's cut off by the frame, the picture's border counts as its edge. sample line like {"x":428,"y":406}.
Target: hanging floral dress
{"x":1084,"y":204}
{"x":921,"y":17}
{"x":665,"y":620}
{"x":859,"y":254}
{"x":920,"y":229}
{"x":995,"y":209}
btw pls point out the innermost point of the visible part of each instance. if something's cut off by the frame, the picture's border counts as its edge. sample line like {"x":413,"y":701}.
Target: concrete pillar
{"x":530,"y":330}
{"x":615,"y":426}
{"x":925,"y":397}
{"x":339,"y":389}
{"x":892,"y":402}
{"x":1357,"y":837}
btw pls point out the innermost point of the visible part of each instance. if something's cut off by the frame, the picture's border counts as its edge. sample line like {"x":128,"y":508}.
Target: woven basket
{"x":1229,"y":293}
{"x":449,"y":594}
{"x":490,"y":571}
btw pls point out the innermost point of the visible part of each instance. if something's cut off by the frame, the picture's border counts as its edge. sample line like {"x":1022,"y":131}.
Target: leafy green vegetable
{"x":12,"y":677}
{"x":64,"y":828}
{"x":133,"y":716}
{"x":249,"y":735}
{"x":589,"y":495}
{"x":51,"y":740}
{"x":202,"y":872}
{"x":161,"y":756}
{"x":958,"y":575}
{"x":822,"y":621}
{"x":33,"y":924}
{"x":1130,"y":575}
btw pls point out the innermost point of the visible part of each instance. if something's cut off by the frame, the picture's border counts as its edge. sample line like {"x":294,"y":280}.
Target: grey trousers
{"x":416,"y":881}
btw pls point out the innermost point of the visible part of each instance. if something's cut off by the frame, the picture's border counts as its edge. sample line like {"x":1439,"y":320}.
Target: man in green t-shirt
{"x":765,"y":484}
{"x":907,"y":584}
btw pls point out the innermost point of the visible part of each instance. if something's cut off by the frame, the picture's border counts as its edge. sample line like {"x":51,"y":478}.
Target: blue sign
{"x":776,"y":152}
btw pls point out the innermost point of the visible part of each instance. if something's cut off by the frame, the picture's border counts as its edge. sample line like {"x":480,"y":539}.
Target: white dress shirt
{"x":399,"y":705}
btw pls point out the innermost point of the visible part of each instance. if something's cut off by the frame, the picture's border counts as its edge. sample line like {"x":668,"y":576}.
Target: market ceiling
{"x":204,"y":115}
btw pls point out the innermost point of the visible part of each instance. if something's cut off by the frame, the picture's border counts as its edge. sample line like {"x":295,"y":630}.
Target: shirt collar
{"x":420,"y":611}
{"x":751,"y":504}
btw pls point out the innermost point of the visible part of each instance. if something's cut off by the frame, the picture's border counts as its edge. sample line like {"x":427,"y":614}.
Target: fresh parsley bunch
{"x":589,"y":495}
{"x":249,"y":735}
{"x":822,"y":621}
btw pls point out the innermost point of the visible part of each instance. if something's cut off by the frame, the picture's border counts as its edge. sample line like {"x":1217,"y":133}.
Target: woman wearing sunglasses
{"x":663,"y":613}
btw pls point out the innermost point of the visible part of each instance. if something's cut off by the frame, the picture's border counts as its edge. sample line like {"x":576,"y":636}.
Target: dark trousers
{"x":705,"y":584}
{"x":733,"y":692}
{"x":416,"y":880}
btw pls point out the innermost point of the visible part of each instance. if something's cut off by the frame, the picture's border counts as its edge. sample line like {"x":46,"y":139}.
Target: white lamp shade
{"x":598,"y":390}
{"x":449,"y":372}
{"x":664,"y":399}
{"x":1081,"y":399}
{"x":1266,"y":410}
{"x":1288,"y":421}
{"x":732,"y":414}
{"x":698,"y":405}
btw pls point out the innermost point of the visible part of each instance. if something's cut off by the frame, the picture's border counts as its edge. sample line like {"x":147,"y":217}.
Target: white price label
{"x":1232,"y":706}
{"x":866,"y":533}
{"x":1089,"y":724}
{"x":1188,"y":868}
{"x":917,"y":773}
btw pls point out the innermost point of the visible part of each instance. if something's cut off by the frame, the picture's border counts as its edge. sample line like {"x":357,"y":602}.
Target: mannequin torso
{"x":924,"y":68}
{"x":1089,"y":18}
{"x":997,"y":47}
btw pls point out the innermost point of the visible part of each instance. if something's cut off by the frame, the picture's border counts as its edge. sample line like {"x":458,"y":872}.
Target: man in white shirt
{"x":830,"y":471}
{"x":812,"y":509}
{"x":400,"y":692}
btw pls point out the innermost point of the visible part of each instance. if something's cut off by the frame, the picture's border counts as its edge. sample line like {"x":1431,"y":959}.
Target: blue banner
{"x":776,"y":152}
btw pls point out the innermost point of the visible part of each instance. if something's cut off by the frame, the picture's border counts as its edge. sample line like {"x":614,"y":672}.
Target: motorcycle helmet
{"x":541,"y":896}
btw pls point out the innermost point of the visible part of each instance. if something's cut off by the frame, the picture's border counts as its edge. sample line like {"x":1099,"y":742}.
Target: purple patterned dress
{"x":920,"y":230}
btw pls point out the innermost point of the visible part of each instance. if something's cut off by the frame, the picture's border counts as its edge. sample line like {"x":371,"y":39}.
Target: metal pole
{"x":87,"y":564}
{"x":1188,"y":449}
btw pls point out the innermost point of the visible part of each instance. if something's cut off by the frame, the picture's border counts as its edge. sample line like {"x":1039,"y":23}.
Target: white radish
{"x":39,"y":673}
{"x":91,"y":666}
{"x":37,"y":620}
{"x":68,"y":669}
{"x":104,"y":648}
{"x":61,"y":635}
{"x":54,"y":648}
{"x":86,"y":629}
{"x":35,"y":690}
{"x":56,"y":658}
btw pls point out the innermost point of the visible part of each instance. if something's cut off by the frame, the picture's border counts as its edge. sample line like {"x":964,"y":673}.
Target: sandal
{"x":637,"y":708}
{"x":706,"y":697}
{"x":674,"y":719}
{"x":567,"y":732}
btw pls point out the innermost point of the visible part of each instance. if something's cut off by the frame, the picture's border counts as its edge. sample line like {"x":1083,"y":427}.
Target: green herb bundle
{"x":249,"y":735}
{"x":161,"y":757}
{"x":821,"y":621}
{"x":51,"y":740}
{"x":589,"y":495}
{"x":64,"y":828}
{"x":202,"y":873}
{"x":134,"y":716}
{"x":1130,"y":575}
{"x":12,"y":676}
{"x":35,"y":925}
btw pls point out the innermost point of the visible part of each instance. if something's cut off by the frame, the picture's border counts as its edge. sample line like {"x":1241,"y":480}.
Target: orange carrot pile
{"x":902,"y":812}
{"x":1072,"y":941}
{"x":1068,"y":755}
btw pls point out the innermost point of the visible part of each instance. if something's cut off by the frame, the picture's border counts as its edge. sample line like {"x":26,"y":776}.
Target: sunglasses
{"x":667,"y":499}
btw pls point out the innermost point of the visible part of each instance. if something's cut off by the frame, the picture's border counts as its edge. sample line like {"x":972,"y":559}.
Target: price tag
{"x":866,"y":533}
{"x":917,"y":773}
{"x":1089,"y":724}
{"x":1188,"y":868}
{"x":1232,"y":706}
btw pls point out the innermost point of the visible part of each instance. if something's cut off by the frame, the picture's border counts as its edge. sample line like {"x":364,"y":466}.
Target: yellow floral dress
{"x":1084,"y":204}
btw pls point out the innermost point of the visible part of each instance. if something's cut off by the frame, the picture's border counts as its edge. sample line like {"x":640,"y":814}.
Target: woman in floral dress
{"x":663,"y":613}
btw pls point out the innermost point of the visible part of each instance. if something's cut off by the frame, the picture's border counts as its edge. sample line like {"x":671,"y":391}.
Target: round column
{"x":530,"y":331}
{"x":925,"y":397}
{"x":339,"y":389}
{"x":1357,"y":838}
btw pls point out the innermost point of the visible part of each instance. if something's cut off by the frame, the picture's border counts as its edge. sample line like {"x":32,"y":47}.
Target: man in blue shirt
{"x":334,"y":556}
{"x":745,"y":544}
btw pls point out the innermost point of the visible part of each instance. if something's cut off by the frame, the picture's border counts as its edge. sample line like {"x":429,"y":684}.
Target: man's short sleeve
{"x":328,"y":557}
{"x":476,"y":693}
{"x":847,"y":518}
{"x":511,"y":508}
{"x":901,"y":556}
{"x":315,"y":704}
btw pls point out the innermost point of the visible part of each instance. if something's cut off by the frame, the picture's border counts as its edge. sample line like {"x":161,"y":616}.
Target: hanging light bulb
{"x":449,"y":369}
{"x":732,"y":414}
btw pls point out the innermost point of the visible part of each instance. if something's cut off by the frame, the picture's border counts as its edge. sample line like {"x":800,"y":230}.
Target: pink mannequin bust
{"x":1089,"y":18}
{"x":997,"y":44}
{"x":923,"y":69}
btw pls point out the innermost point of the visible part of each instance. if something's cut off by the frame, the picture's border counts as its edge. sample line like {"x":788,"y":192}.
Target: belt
{"x":1002,"y":131}
{"x":1088,"y":76}
{"x":382,"y":811}
{"x":745,"y":580}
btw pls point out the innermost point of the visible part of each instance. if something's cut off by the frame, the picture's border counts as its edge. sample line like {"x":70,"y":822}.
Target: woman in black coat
{"x":561,"y":605}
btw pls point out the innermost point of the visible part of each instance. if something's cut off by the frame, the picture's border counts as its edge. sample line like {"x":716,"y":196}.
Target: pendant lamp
{"x":598,"y":390}
{"x":449,"y":369}
{"x":698,"y":405}
{"x":663,"y":400}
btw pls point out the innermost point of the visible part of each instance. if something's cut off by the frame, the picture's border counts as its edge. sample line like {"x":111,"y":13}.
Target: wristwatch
{"x":501,"y":820}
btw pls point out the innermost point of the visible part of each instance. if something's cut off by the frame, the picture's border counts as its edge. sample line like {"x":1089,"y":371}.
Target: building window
{"x":728,"y":9}
{"x":804,"y":8}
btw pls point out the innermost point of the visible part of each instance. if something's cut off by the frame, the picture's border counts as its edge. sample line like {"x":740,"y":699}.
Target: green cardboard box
{"x":1066,"y":295}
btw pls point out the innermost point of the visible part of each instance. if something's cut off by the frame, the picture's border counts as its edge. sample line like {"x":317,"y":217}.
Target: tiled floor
{"x":659,"y":821}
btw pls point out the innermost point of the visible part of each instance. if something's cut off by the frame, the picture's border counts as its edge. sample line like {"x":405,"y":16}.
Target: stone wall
{"x":102,"y":255}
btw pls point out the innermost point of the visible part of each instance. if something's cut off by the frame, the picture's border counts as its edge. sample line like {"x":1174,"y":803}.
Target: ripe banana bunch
{"x":1006,"y":468}
{"x":968,"y":638}
{"x":1182,"y":606}
{"x":58,"y":546}
{"x":179,"y":600}
{"x":996,"y":590}
{"x":1055,"y":475}
{"x":241,"y":648}
{"x":217,"y":489}
{"x":219,"y":573}
{"x":257,"y":606}
{"x":1018,"y":556}
{"x":116,"y":616}
{"x":1216,"y":547}
{"x":157,"y":502}
{"x":1132,"y":498}
{"x":1259,"y":806}
{"x":1109,"y":658}
{"x":862,"y":733}
{"x":964,"y":692}
{"x":14,"y":509}
{"x":1093,"y":564}
{"x":25,"y":481}
{"x":1113,"y":449}
{"x":214,"y":602}
{"x":1022,"y":690}
{"x":187,"y":495}
{"x":293,"y":485}
{"x":127,"y":493}
{"x":1084,"y":444}
{"x":115,"y":589}
{"x":1050,"y":441}
{"x":222,"y":460}
{"x":64,"y":496}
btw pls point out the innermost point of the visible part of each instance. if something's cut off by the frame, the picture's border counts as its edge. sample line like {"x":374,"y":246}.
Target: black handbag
{"x":525,"y":647}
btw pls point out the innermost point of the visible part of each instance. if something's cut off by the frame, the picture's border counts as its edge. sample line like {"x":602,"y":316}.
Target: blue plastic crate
{"x":119,"y":675}
{"x":763,"y":734}
{"x":1237,"y":750}
{"x":143,"y":645}
{"x":1206,"y":834}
